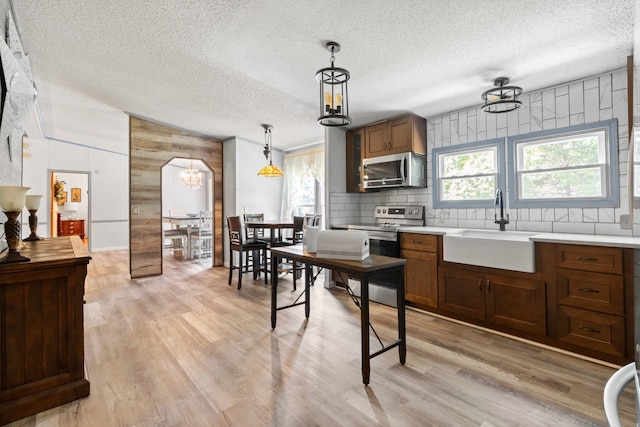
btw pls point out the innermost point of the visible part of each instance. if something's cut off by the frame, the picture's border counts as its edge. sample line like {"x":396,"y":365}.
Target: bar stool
{"x":237,"y":244}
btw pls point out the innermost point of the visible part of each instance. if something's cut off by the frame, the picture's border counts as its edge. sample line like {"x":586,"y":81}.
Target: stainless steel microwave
{"x":394,"y":170}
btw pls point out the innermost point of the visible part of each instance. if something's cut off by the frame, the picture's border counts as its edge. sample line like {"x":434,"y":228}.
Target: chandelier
{"x":334,"y":105}
{"x":191,"y":177}
{"x":270,"y":170}
{"x":502,"y":98}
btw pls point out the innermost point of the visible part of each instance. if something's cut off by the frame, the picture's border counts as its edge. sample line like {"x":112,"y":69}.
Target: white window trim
{"x":474,"y":146}
{"x":609,"y":170}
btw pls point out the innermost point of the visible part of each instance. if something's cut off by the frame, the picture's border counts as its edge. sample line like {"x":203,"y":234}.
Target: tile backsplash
{"x":584,"y":101}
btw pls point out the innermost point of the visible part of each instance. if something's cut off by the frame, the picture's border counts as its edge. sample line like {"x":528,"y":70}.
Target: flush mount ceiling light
{"x":334,"y":103}
{"x":270,"y":170}
{"x":502,"y":98}
{"x":191,"y":177}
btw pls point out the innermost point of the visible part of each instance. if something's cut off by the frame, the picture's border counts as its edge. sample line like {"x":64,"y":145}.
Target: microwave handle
{"x":403,"y":168}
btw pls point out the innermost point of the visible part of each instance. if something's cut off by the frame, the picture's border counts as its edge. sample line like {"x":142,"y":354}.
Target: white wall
{"x":588,"y":100}
{"x":176,"y":196}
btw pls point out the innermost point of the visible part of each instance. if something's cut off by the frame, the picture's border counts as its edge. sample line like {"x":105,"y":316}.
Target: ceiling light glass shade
{"x":12,"y":199}
{"x":32,"y":202}
{"x":502,"y":98}
{"x":191,"y":177}
{"x":334,"y":94}
{"x":270,"y":170}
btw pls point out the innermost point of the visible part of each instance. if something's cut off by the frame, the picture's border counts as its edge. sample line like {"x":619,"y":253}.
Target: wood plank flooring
{"x":186,"y":349}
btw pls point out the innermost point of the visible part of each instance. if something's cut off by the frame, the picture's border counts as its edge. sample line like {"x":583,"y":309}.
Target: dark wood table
{"x":362,"y":270}
{"x":271,"y":225}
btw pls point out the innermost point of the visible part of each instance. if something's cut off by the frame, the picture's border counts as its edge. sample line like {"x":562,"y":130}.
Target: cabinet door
{"x":461,"y":292}
{"x":516,"y":303}
{"x":421,"y":277}
{"x":400,"y":135}
{"x":355,"y":149}
{"x":376,"y":140}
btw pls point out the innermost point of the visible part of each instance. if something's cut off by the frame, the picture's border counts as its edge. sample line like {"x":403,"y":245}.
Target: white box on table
{"x":343,"y":244}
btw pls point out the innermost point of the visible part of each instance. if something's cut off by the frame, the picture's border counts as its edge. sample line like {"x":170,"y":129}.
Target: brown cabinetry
{"x":590,"y":292}
{"x":396,"y":136}
{"x":421,"y":270}
{"x":42,"y":334}
{"x":509,"y":301}
{"x":354,"y":155}
{"x":72,"y":227}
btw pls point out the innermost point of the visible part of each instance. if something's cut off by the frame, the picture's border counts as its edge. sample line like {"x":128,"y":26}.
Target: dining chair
{"x":238,"y":244}
{"x":202,"y":237}
{"x":254,"y":233}
{"x":290,"y":266}
{"x":178,"y":235}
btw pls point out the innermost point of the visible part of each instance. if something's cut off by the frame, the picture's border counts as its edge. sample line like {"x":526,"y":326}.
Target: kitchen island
{"x":41,"y":328}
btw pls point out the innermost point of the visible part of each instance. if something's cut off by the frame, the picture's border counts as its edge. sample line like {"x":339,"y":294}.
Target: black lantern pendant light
{"x":502,"y":98}
{"x":334,"y":103}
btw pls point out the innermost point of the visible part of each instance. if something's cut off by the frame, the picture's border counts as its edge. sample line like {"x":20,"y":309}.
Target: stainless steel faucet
{"x":500,"y":202}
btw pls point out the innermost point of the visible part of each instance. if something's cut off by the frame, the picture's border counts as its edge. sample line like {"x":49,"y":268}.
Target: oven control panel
{"x":399,"y":212}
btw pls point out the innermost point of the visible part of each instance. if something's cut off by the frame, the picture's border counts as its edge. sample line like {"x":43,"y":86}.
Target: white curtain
{"x":300,"y":193}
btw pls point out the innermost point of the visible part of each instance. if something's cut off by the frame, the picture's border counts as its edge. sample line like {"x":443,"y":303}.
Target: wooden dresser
{"x":72,"y":227}
{"x":42,"y":328}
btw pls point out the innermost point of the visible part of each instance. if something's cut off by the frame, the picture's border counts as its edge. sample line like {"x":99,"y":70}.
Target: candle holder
{"x":12,"y":200}
{"x":33,"y":204}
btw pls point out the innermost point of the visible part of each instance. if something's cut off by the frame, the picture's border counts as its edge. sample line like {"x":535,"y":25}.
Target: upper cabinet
{"x":396,"y":136}
{"x":354,"y":156}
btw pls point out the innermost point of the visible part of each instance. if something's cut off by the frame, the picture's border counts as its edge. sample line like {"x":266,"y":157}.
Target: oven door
{"x":383,"y":246}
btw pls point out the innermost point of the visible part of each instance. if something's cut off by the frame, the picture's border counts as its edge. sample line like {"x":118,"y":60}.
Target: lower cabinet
{"x":511,"y":302}
{"x":421,"y":270}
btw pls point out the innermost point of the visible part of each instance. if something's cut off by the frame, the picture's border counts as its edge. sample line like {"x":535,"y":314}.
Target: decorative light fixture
{"x":334,"y":103}
{"x":12,"y":200}
{"x":32,"y":203}
{"x":502,"y":98}
{"x":191,"y":177}
{"x":270,"y":170}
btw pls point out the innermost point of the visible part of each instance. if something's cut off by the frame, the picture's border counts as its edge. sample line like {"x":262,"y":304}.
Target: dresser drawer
{"x":597,"y":331}
{"x":590,"y":258}
{"x":419,"y":242}
{"x":591,"y":291}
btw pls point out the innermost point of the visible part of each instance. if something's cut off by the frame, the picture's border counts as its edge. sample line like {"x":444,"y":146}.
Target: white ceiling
{"x":221,"y":68}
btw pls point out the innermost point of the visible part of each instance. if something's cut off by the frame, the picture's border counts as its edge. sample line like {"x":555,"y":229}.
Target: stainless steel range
{"x":384,"y":240}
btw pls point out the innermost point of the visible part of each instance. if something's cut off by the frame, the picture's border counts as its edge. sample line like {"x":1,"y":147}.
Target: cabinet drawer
{"x":590,"y":258}
{"x":591,"y":291}
{"x":589,"y":329}
{"x":419,"y":242}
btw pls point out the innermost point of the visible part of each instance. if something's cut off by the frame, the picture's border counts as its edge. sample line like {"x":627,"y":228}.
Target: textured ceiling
{"x":221,"y":68}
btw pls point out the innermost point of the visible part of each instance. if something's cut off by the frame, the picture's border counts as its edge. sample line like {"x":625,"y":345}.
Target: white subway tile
{"x":574,"y":227}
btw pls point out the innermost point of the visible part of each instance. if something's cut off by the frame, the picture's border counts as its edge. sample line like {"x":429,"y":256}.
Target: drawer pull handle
{"x":480,"y":284}
{"x":594,"y":291}
{"x":489,"y":286}
{"x":587,"y":329}
{"x":417,"y":242}
{"x":586,"y":258}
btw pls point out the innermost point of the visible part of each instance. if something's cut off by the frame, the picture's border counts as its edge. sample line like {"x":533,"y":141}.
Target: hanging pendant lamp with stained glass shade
{"x":191,"y":177}
{"x":270,"y":170}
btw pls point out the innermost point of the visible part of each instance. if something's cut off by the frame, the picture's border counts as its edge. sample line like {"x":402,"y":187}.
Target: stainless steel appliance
{"x":384,"y":240}
{"x":395,"y":170}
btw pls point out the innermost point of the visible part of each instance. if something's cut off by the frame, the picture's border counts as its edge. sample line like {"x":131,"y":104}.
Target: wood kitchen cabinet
{"x":354,"y":156}
{"x":421,"y":269}
{"x":396,"y":136}
{"x":72,"y":227}
{"x":513,"y":302}
{"x":593,"y":306}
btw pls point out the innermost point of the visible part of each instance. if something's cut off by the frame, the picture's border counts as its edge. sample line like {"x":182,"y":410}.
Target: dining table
{"x":190,"y":222}
{"x":271,"y":225}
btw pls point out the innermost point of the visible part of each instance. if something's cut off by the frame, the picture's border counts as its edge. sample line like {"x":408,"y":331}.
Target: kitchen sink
{"x":509,"y":250}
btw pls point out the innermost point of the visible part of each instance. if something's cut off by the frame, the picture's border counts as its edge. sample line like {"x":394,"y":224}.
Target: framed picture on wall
{"x":75,"y":194}
{"x":63,"y":199}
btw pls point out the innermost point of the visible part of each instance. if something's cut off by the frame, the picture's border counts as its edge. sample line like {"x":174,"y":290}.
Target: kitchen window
{"x":573,"y":167}
{"x":468,"y":175}
{"x":303,"y":186}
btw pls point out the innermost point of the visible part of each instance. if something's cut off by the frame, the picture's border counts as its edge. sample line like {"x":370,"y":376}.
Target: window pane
{"x":469,"y":163}
{"x":636,"y":180}
{"x":562,"y":184}
{"x":478,"y":188}
{"x":578,"y":151}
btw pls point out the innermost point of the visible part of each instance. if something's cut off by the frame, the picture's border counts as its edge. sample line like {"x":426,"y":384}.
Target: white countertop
{"x":576,"y":239}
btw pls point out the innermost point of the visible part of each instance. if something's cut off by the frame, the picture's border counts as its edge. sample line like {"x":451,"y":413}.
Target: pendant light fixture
{"x":191,"y":177}
{"x":502,"y":98}
{"x":270,"y":170}
{"x":334,"y":103}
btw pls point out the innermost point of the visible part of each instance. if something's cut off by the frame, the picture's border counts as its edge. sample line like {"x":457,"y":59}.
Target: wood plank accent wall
{"x":151,"y":146}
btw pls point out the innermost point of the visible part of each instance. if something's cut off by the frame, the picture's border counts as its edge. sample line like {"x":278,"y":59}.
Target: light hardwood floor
{"x":187,"y":349}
